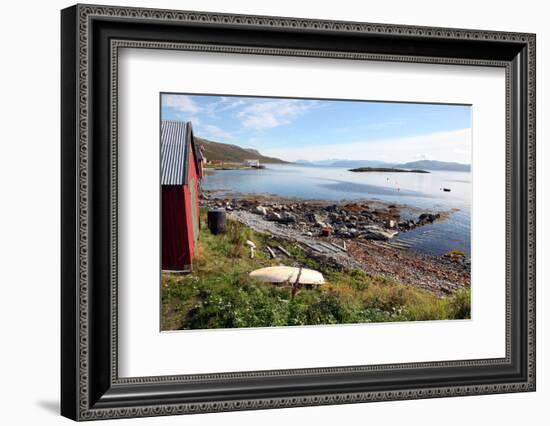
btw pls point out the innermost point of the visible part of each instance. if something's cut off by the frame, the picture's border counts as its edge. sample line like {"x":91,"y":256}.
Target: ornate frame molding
{"x":83,"y":15}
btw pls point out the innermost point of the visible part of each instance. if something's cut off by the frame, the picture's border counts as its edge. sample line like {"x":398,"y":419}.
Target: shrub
{"x":460,"y":304}
{"x":455,"y":253}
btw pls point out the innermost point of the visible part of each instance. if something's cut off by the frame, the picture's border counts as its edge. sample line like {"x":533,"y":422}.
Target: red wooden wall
{"x":176,"y":255}
{"x":178,"y":236}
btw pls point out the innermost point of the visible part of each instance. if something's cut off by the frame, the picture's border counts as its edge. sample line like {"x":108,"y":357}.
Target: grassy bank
{"x":220,"y":294}
{"x":226,"y":166}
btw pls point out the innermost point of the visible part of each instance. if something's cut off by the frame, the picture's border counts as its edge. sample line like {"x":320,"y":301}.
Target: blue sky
{"x":295,"y":129}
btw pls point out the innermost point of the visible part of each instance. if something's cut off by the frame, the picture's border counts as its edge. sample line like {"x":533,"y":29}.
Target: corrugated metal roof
{"x":173,"y":144}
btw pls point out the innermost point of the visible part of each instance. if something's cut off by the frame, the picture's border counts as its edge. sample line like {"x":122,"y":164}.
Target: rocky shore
{"x":370,"y":221}
{"x":352,"y":235}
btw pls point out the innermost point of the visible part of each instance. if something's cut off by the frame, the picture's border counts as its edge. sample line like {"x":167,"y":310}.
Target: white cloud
{"x":385,"y":125}
{"x":193,"y":119}
{"x":422,"y":157}
{"x":442,"y":146}
{"x":269,"y":114}
{"x":223,"y":104}
{"x":462,"y":151}
{"x":181,"y":103}
{"x":210,"y":131}
{"x":226,"y":103}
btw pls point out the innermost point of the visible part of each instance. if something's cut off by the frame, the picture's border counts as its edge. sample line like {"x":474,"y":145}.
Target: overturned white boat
{"x":288,"y":274}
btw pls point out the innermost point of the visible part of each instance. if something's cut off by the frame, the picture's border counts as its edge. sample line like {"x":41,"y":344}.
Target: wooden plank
{"x":271,"y":252}
{"x":311,"y":246}
{"x":338,"y":247}
{"x":286,"y":253}
{"x":362,"y":244}
{"x":332,"y":249}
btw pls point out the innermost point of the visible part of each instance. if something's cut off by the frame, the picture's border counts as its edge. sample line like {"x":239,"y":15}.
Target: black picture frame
{"x":90,"y":386}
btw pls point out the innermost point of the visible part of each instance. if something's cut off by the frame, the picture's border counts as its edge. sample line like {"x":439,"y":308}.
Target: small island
{"x":386,"y":170}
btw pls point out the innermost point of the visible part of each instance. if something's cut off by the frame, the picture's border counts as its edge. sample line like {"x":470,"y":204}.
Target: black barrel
{"x":216,"y":221}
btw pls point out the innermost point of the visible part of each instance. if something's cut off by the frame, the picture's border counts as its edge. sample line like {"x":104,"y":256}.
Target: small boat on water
{"x":446,"y":190}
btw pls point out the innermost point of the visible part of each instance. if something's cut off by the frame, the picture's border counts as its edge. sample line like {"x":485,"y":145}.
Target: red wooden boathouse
{"x":181,"y":171}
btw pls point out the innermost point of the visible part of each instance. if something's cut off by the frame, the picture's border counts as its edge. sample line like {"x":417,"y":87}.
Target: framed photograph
{"x":263,"y":212}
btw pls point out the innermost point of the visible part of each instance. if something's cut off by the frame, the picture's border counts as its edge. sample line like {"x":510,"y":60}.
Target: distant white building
{"x":251,"y":163}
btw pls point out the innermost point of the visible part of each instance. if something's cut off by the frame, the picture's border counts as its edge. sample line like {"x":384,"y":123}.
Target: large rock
{"x":311,"y":217}
{"x":287,"y":218}
{"x":374,"y":232}
{"x":274,"y":216}
{"x":260,"y":210}
{"x":427,"y":218}
{"x":318,"y":221}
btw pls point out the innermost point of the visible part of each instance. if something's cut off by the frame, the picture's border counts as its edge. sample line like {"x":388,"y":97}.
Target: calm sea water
{"x":423,"y":191}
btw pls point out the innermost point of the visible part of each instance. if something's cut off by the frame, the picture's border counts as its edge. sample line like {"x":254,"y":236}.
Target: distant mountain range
{"x":319,"y":162}
{"x":361,"y":163}
{"x":436,"y":165}
{"x":232,"y":153}
{"x":421,"y":164}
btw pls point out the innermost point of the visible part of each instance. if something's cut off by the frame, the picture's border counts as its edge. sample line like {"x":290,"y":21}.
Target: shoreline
{"x":351,"y":211}
{"x":224,"y":195}
{"x":323,"y":229}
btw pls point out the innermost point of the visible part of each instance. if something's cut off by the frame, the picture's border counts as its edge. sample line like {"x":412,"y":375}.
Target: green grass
{"x":455,"y":252}
{"x":220,"y":293}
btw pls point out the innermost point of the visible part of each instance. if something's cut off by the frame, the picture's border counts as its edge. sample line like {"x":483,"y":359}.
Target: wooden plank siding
{"x":176,"y":253}
{"x":180,"y":176}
